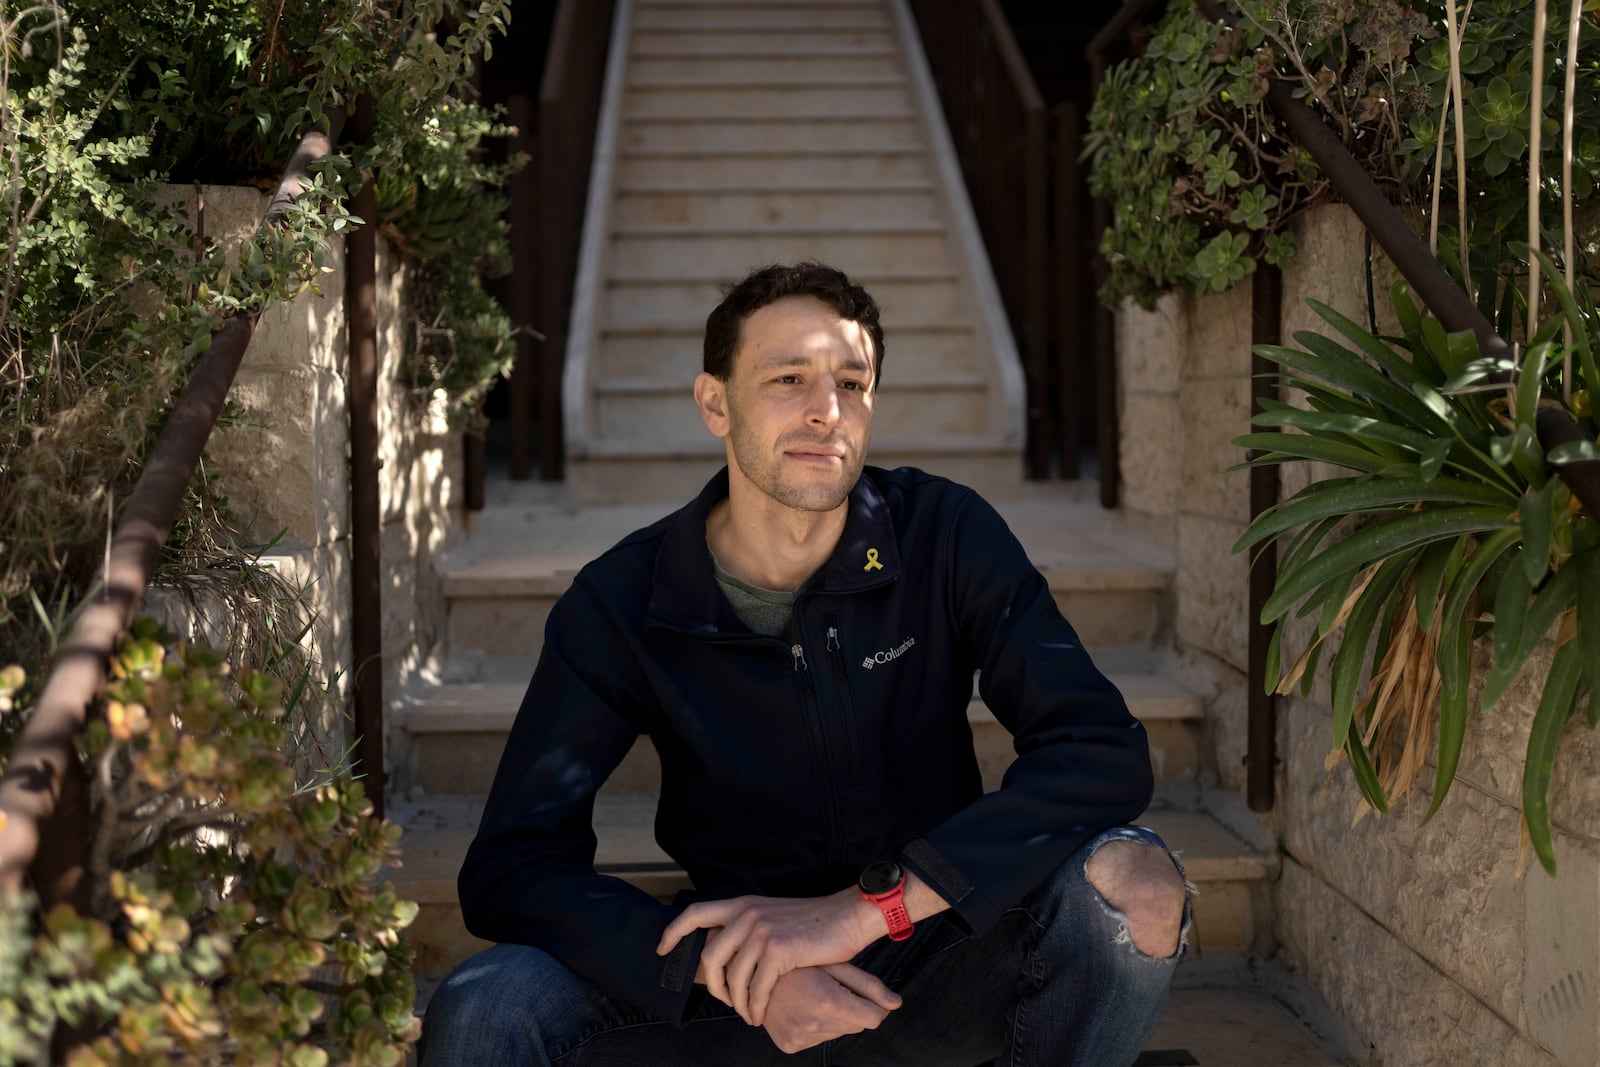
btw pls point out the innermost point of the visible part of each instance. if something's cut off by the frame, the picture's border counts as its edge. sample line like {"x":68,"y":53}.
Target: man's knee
{"x":1141,"y":882}
{"x":503,"y":999}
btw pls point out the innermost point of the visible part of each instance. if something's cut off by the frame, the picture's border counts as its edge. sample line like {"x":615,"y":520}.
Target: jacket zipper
{"x":846,"y":704}
{"x":819,"y":735}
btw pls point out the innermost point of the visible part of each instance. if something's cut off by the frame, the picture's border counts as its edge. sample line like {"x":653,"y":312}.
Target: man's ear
{"x":711,"y":397}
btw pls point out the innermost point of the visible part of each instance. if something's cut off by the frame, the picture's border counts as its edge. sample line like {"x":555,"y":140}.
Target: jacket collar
{"x":684,"y":592}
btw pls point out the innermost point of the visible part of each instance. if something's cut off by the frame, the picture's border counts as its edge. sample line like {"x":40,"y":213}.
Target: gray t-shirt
{"x":765,"y":611}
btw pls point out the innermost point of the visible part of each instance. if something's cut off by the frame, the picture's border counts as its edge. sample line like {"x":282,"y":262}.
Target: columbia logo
{"x":888,"y":654}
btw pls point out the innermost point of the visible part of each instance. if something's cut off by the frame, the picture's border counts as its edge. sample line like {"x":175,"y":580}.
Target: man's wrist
{"x":866,"y":919}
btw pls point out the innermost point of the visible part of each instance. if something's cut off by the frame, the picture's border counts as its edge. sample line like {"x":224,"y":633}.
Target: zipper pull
{"x":799,"y":657}
{"x":833,"y":639}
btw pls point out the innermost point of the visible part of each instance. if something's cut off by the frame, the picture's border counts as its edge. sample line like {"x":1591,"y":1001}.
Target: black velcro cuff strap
{"x":677,"y":970}
{"x":946,"y":880}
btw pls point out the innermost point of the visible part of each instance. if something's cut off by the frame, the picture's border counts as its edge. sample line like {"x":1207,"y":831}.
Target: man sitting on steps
{"x":799,"y":643}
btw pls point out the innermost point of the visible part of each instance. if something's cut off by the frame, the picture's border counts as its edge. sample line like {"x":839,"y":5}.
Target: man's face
{"x":797,"y":409}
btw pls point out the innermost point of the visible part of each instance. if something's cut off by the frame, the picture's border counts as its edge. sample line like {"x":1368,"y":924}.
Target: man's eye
{"x":789,"y":379}
{"x":857,"y":386}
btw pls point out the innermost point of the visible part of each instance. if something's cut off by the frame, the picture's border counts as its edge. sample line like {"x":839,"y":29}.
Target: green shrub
{"x":236,"y":913}
{"x":1204,"y":179}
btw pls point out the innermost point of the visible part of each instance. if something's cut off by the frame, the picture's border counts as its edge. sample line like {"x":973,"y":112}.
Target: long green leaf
{"x":1343,"y":368}
{"x":1573,"y":452}
{"x":1556,"y":705}
{"x":1460,"y":593}
{"x":1361,"y":427}
{"x":1378,"y":542}
{"x":1437,"y":561}
{"x":1538,"y":524}
{"x":1304,"y":446}
{"x":1510,"y":618}
{"x":1586,"y":563}
{"x":1530,"y":383}
{"x":1352,"y":656}
{"x":1365,"y":495}
{"x":1366,"y":777}
{"x":1393,"y":364}
{"x":1539,"y":615}
{"x":1575,"y":318}
{"x":1455,"y":643}
{"x":1274,"y":667}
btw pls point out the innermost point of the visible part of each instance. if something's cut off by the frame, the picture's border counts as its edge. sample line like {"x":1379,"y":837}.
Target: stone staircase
{"x":739,"y":133}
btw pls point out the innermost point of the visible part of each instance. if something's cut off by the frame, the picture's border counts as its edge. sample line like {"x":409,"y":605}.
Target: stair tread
{"x":620,"y":277}
{"x":867,"y":187}
{"x":490,"y":706}
{"x":759,"y":150}
{"x":690,"y":231}
{"x":439,"y":829}
{"x":852,"y":81}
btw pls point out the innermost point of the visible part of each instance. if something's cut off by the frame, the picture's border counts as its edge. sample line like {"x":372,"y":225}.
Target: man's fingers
{"x":865,"y":985}
{"x":695,"y":917}
{"x":761,"y":987}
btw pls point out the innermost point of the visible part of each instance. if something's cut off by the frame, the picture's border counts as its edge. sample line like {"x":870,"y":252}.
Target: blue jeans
{"x":1056,"y":982}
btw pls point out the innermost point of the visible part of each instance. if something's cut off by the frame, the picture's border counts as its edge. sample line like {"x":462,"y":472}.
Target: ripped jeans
{"x":1056,"y":982}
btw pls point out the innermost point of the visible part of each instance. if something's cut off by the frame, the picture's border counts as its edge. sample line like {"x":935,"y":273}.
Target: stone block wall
{"x":283,"y":463}
{"x":1425,"y":940}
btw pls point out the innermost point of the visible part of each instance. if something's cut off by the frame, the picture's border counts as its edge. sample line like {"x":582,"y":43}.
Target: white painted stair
{"x":735,"y":134}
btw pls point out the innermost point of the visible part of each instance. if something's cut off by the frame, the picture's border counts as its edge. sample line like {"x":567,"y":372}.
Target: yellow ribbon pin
{"x":872,"y":561}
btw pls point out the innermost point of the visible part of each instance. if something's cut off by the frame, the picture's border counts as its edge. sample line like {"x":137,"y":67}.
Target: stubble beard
{"x":764,"y":470}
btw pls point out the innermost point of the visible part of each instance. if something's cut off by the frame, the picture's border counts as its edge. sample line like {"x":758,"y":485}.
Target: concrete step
{"x":661,"y":410}
{"x":654,"y":66}
{"x":640,"y":350}
{"x":681,"y":304}
{"x":815,"y":133}
{"x":500,"y":584}
{"x":766,"y":19}
{"x":867,"y":99}
{"x":457,"y":734}
{"x":726,"y":209}
{"x":757,"y":166}
{"x":862,"y":250}
{"x":754,"y":44}
{"x":1231,"y":908}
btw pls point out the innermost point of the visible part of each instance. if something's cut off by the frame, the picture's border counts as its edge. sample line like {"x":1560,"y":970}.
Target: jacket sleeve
{"x":529,"y":876}
{"x":1083,"y":761}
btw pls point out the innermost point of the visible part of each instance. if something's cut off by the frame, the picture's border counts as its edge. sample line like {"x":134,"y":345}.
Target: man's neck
{"x":759,"y":541}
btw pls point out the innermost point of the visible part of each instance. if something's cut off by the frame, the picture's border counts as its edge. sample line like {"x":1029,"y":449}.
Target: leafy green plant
{"x":1457,"y":526}
{"x":1185,"y":147}
{"x":237,"y":915}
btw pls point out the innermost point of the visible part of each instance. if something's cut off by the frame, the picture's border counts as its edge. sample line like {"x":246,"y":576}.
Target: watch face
{"x":880,"y":878}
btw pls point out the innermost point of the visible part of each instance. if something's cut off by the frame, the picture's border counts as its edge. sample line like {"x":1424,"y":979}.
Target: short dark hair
{"x":767,"y":285}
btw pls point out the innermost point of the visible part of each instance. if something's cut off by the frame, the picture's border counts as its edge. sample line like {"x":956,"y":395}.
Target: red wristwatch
{"x":884,"y":884}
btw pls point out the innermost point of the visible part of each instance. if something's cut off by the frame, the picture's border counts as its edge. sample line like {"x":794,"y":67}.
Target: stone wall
{"x":1423,"y":939}
{"x":283,"y":463}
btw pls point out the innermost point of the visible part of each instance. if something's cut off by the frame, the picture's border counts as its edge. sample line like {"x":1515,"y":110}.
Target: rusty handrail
{"x":548,"y":198}
{"x":1107,"y":430}
{"x":1416,"y":263}
{"x":1000,"y":128}
{"x":43,"y":762}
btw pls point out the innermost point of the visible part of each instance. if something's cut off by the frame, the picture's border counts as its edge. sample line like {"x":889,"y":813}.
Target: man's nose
{"x":824,"y":407}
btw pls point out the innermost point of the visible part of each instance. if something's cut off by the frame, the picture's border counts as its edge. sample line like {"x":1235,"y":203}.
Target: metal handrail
{"x":43,"y":777}
{"x":1000,"y":127}
{"x":1416,"y":263}
{"x":548,"y":197}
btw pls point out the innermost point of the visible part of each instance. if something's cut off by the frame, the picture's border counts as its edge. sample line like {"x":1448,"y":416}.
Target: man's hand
{"x":816,"y":1004}
{"x":755,"y":941}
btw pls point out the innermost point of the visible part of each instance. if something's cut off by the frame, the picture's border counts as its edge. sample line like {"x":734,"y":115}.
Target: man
{"x":799,"y":642}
